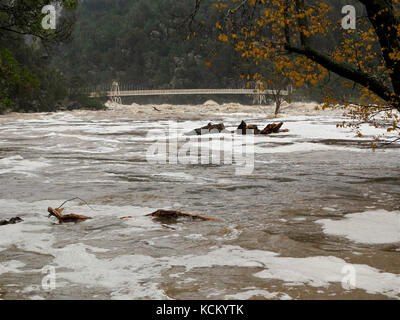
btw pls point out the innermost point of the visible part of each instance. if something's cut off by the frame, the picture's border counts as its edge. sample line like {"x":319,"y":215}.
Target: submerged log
{"x":65,"y":217}
{"x":13,"y":220}
{"x":220,"y":127}
{"x":173,"y":214}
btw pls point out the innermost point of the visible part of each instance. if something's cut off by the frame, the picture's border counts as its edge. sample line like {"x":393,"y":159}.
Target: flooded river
{"x":317,"y":217}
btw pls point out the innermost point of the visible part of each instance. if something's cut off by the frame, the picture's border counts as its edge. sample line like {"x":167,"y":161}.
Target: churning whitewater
{"x":316,"y":203}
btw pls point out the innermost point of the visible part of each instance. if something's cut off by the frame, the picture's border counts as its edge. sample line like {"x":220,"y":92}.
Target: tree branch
{"x":382,"y":16}
{"x":347,"y":71}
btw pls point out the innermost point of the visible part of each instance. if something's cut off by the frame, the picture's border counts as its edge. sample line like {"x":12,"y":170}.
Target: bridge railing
{"x":126,"y":93}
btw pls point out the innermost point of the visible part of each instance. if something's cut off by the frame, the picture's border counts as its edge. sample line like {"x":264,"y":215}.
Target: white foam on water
{"x":210,"y":103}
{"x":36,"y":297}
{"x":324,"y":127}
{"x":196,"y":236}
{"x":318,"y":271}
{"x":127,"y":276}
{"x":305,"y":147}
{"x":97,"y":150}
{"x":136,"y":276}
{"x":329,"y":209}
{"x":253,"y":292}
{"x":112,"y":128}
{"x":81,"y":137}
{"x":18,"y":164}
{"x":180,"y":176}
{"x":232,"y":235}
{"x":35,"y":232}
{"x":370,"y":227}
{"x":28,"y":237}
{"x":304,"y":134}
{"x":11,"y":266}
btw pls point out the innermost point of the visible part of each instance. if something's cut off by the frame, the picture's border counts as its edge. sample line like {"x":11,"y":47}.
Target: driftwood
{"x":65,"y":217}
{"x":126,"y":218}
{"x":168,"y":227}
{"x":269,"y":129}
{"x":163,"y":225}
{"x":10,"y":221}
{"x":272,"y":128}
{"x":172,"y":214}
{"x":243,"y":127}
{"x":220,"y":127}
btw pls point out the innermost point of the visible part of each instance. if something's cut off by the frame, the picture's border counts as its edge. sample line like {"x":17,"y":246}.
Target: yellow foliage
{"x":276,"y":25}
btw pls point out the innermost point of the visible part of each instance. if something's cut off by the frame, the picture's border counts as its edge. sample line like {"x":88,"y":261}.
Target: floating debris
{"x":168,"y":227}
{"x":243,"y":129}
{"x":173,"y":214}
{"x":65,"y":217}
{"x":269,"y":129}
{"x":10,"y":221}
{"x":126,"y":218}
{"x":211,"y":128}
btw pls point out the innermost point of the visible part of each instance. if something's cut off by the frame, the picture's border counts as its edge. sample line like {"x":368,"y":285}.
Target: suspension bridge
{"x":115,"y":93}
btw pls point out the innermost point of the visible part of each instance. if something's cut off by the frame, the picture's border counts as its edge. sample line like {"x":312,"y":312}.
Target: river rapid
{"x":316,"y":217}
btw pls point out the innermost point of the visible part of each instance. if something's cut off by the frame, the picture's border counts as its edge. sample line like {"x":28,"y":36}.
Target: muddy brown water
{"x":268,"y":217}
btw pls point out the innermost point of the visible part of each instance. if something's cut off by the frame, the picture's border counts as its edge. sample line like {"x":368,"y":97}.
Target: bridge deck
{"x":183,"y":92}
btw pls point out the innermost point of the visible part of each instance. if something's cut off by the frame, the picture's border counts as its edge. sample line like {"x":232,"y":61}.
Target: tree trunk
{"x":278,"y":102}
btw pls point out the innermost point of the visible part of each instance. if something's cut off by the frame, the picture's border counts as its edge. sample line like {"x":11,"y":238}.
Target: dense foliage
{"x":161,"y":44}
{"x":305,"y":40}
{"x":145,"y":44}
{"x":30,"y":81}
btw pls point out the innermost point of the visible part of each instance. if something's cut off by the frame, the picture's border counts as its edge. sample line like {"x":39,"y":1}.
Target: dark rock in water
{"x":244,"y":128}
{"x":11,"y":221}
{"x":211,"y":128}
{"x":272,"y":128}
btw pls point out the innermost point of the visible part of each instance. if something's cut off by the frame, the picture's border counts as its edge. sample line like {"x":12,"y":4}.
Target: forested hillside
{"x":140,"y":42}
{"x":145,"y":43}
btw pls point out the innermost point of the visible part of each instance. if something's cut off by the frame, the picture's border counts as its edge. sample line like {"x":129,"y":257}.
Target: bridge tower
{"x":115,"y":95}
{"x":259,"y":96}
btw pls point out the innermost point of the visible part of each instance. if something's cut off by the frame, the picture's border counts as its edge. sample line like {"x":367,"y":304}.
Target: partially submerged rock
{"x":272,"y":128}
{"x":173,"y":214}
{"x":211,"y":128}
{"x":13,"y":220}
{"x":243,"y":129}
{"x":65,"y":217}
{"x":269,"y":129}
